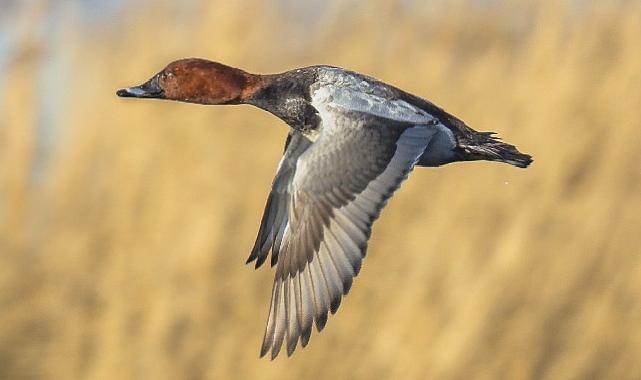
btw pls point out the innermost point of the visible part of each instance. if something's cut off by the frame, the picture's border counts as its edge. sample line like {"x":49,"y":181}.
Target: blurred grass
{"x":122,"y":246}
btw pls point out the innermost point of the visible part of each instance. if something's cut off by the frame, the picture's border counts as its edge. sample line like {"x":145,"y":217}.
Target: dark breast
{"x":287,"y":96}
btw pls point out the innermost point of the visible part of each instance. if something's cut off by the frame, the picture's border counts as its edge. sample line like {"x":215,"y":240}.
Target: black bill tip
{"x":150,"y":89}
{"x":140,"y":92}
{"x":124,"y":93}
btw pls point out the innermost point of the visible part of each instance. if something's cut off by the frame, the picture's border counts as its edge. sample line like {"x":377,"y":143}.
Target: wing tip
{"x":267,"y":347}
{"x":291,"y":346}
{"x":321,"y":321}
{"x":335,"y":304}
{"x":306,"y":334}
{"x":263,"y":352}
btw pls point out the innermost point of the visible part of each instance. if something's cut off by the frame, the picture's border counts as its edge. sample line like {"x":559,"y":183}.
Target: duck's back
{"x":453,"y":141}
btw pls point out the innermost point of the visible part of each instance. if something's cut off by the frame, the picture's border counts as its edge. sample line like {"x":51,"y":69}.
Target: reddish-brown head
{"x":196,"y":80}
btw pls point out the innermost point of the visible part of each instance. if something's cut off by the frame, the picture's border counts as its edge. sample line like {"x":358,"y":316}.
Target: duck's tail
{"x":485,"y":146}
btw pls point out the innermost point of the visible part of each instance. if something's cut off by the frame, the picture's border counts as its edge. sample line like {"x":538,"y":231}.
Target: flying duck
{"x":352,"y":141}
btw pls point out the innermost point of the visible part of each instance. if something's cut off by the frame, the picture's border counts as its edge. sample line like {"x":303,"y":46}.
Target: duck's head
{"x":195,"y":80}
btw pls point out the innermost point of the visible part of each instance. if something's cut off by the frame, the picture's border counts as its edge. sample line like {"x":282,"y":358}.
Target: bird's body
{"x":352,"y":141}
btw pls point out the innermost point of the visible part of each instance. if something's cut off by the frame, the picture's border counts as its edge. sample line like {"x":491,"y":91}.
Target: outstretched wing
{"x":272,"y":226}
{"x":340,"y":184}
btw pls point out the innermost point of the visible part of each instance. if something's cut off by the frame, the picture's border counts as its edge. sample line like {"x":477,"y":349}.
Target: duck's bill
{"x":146,"y":90}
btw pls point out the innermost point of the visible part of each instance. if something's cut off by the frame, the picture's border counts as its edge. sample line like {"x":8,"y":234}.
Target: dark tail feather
{"x":484,"y":146}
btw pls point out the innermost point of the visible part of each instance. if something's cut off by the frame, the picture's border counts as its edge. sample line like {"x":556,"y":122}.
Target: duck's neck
{"x":286,"y":97}
{"x":254,"y":84}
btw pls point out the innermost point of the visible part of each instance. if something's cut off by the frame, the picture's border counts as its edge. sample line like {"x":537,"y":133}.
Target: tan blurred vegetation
{"x":122,"y":256}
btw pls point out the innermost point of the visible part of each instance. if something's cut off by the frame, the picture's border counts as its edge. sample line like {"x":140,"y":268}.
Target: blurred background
{"x":124,"y":225}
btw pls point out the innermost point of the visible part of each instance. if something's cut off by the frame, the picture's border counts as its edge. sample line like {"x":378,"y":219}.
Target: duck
{"x":352,"y":141}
